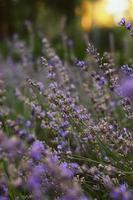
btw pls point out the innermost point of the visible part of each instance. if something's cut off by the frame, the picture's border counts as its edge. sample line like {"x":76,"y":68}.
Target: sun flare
{"x":117,"y":8}
{"x":105,"y":13}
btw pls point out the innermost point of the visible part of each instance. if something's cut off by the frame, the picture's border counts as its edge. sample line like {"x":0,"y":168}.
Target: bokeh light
{"x":117,"y":8}
{"x":105,"y":13}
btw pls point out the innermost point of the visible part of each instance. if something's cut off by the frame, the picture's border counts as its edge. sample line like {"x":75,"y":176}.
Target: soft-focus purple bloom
{"x":40,"y":86}
{"x":100,"y":80}
{"x":126,"y":88}
{"x":28,"y":124}
{"x":68,"y":197}
{"x":53,"y":85}
{"x":37,"y":149}
{"x":121,"y":193}
{"x":80,"y":63}
{"x":65,"y":124}
{"x":22,"y":133}
{"x":54,"y":158}
{"x":122,"y":22}
{"x":127,"y":70}
{"x":19,"y":121}
{"x":65,"y":169}
{"x":3,"y":192}
{"x":63,"y":133}
{"x":3,"y":198}
{"x":38,"y":170}
{"x":30,"y":138}
{"x":34,"y":181}
{"x":12,"y":146}
{"x":128,"y":25}
{"x":74,"y":165}
{"x":59,"y":147}
{"x":74,"y":195}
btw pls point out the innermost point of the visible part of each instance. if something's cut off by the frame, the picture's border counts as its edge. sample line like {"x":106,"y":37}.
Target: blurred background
{"x":77,"y":21}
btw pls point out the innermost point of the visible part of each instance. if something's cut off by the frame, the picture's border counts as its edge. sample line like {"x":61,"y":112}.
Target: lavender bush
{"x":65,"y":128}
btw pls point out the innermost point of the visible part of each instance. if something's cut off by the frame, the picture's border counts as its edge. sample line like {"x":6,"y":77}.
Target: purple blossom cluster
{"x":127,"y":25}
{"x":66,"y":138}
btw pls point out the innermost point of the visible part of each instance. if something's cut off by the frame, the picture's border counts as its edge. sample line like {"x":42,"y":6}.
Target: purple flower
{"x":128,"y":25}
{"x":63,"y":133}
{"x":30,"y":138}
{"x":13,"y":147}
{"x":3,"y":198}
{"x":33,"y":182}
{"x":74,"y":195}
{"x":74,"y":165}
{"x":122,"y":22}
{"x":37,"y":149}
{"x":22,"y":133}
{"x":54,"y":158}
{"x":69,"y":197}
{"x":35,"y":179}
{"x":126,"y":88}
{"x":65,"y":124}
{"x":38,"y":170}
{"x":40,"y":86}
{"x":28,"y":124}
{"x":80,"y":63}
{"x":65,"y":169}
{"x":59,"y":147}
{"x":127,"y":70}
{"x":53,"y":85}
{"x":100,"y":80}
{"x":3,"y":192}
{"x":121,"y":193}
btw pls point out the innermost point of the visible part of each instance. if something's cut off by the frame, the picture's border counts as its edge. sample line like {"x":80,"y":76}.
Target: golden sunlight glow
{"x":101,"y":16}
{"x":117,"y":8}
{"x":86,"y":21}
{"x":105,"y":13}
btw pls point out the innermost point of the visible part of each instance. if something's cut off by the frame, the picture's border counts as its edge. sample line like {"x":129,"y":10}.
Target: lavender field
{"x":66,"y":123}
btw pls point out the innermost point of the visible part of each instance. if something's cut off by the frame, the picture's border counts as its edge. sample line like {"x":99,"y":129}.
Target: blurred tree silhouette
{"x":13,"y":13}
{"x":6,"y":25}
{"x":65,"y":7}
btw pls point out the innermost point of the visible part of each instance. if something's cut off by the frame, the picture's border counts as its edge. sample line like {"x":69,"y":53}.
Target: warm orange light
{"x":101,"y":16}
{"x":105,"y":13}
{"x":86,"y":21}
